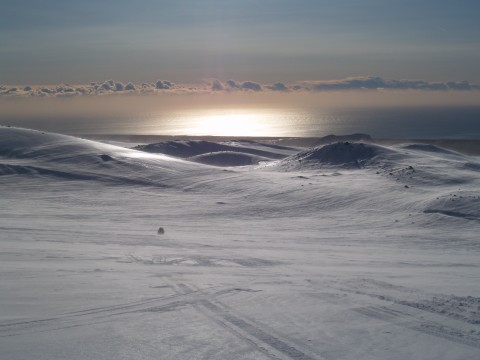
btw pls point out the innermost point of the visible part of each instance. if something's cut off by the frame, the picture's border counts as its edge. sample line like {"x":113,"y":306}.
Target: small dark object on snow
{"x":406,"y":186}
{"x":106,"y":157}
{"x":161,"y":231}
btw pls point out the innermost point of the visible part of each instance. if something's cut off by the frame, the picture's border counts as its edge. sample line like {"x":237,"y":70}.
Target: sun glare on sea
{"x":231,"y":123}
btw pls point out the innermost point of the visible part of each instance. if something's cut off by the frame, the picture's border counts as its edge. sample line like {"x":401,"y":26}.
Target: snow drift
{"x":190,"y":148}
{"x":340,"y":154}
{"x":350,"y":250}
{"x":31,"y":152}
{"x":228,"y":158}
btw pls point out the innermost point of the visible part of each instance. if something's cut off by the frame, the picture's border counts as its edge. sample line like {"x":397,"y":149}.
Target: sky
{"x":263,"y":41}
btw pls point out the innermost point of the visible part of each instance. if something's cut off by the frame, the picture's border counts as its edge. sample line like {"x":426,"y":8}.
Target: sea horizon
{"x":406,"y":122}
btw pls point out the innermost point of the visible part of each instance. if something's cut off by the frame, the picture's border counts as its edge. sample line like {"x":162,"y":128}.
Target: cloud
{"x":118,"y":86}
{"x":217,"y":86}
{"x":461,"y":85}
{"x":82,"y":90}
{"x":250,"y":85}
{"x":107,"y":85}
{"x":377,"y":83}
{"x":278,"y":87}
{"x":47,"y":91}
{"x":163,"y":85}
{"x":111,"y":87}
{"x":232,"y":84}
{"x":64,"y":89}
{"x":247,"y":85}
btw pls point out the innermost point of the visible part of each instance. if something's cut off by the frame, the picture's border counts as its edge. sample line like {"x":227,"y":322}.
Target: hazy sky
{"x":53,"y":41}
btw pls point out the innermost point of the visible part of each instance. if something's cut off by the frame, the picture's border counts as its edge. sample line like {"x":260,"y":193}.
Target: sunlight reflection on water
{"x":242,"y":122}
{"x":407,"y":122}
{"x":388,"y":122}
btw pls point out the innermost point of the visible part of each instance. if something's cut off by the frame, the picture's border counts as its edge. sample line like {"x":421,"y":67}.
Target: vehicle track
{"x":263,"y":340}
{"x":100,"y":314}
{"x":400,"y":318}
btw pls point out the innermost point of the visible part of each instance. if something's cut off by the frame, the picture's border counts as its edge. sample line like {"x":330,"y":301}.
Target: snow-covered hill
{"x":349,"y":250}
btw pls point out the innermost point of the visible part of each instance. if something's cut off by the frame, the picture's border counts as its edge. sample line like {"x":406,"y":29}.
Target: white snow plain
{"x":346,"y":251}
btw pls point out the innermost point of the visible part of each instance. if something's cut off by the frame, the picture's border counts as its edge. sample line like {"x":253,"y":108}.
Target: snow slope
{"x":232,"y":153}
{"x":344,"y":251}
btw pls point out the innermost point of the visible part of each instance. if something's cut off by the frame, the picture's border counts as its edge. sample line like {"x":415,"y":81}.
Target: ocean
{"x":459,"y":122}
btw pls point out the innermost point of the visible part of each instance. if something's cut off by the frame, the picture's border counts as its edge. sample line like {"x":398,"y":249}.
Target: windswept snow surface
{"x":346,"y":251}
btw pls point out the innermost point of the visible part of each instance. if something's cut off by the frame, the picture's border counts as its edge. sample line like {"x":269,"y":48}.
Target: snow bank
{"x":228,"y":158}
{"x":430,"y":148}
{"x":31,"y":152}
{"x":459,"y":204}
{"x":183,"y":149}
{"x":340,"y":154}
{"x":190,"y":148}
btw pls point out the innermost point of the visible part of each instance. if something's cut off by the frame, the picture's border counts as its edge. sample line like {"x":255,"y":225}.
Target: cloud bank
{"x":377,"y":83}
{"x":112,"y":87}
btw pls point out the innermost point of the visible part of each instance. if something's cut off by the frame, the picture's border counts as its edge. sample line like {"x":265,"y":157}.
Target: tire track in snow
{"x":431,"y":303}
{"x":101,"y":314}
{"x":404,"y":313}
{"x":263,"y":340}
{"x":400,"y":318}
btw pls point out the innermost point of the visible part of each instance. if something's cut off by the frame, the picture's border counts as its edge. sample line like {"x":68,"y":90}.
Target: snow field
{"x":346,"y":251}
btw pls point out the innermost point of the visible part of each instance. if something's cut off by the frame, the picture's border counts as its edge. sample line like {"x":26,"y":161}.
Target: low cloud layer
{"x":377,"y":83}
{"x":111,"y":87}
